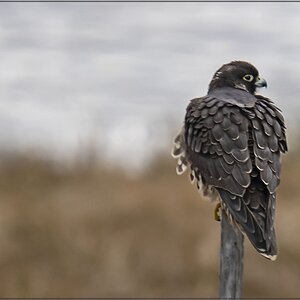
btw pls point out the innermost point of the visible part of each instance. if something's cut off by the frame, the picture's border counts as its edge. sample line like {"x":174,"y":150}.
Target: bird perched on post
{"x":232,"y":141}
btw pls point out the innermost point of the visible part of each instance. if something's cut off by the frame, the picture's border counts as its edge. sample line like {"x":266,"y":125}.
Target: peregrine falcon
{"x":232,"y":140}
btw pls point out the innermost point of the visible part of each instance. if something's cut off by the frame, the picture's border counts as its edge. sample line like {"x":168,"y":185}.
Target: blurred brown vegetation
{"x":90,"y":231}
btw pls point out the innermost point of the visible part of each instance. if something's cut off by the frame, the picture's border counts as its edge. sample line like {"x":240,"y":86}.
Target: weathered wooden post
{"x":231,"y":260}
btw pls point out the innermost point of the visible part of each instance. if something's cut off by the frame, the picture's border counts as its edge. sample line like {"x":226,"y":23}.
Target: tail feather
{"x":257,"y":224}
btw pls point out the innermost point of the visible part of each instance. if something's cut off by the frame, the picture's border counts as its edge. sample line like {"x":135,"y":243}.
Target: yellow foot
{"x":217,"y":212}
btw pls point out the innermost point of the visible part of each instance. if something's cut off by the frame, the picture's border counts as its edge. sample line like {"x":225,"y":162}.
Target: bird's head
{"x":237,"y":74}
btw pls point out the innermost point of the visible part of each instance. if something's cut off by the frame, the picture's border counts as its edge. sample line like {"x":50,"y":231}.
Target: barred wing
{"x":269,"y":140}
{"x":216,"y":137}
{"x":234,"y":146}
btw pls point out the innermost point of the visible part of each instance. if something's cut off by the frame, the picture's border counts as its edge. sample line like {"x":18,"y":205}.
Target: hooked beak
{"x":260,"y":82}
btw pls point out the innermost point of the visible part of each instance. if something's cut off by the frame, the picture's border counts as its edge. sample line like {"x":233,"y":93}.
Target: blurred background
{"x":91,"y":96}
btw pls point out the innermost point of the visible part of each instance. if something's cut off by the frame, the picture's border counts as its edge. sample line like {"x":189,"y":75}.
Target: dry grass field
{"x":90,"y":231}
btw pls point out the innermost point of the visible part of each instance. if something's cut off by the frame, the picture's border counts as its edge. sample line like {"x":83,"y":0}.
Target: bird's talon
{"x":217,"y":214}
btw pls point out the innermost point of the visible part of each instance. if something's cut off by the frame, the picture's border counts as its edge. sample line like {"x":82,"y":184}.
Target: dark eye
{"x":248,"y":77}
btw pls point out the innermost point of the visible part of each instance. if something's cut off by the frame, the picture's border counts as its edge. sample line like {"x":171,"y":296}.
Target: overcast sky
{"x":118,"y":76}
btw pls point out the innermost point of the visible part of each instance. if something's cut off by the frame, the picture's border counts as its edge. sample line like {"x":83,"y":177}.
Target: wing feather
{"x":233,"y":145}
{"x":218,"y":152}
{"x":268,"y":142}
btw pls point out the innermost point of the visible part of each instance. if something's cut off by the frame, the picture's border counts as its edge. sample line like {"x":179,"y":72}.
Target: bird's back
{"x":231,"y":140}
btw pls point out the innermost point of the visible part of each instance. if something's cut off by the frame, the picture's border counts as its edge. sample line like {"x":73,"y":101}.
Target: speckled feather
{"x":231,"y":140}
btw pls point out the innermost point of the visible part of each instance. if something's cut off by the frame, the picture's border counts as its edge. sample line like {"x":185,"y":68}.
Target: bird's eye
{"x":248,"y":77}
